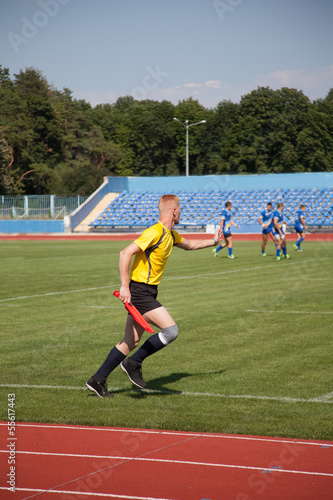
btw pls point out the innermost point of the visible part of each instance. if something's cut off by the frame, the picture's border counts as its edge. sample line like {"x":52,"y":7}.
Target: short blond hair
{"x":168,"y":201}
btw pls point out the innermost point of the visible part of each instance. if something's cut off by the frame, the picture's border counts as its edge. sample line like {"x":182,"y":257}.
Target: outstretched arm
{"x":198,"y":244}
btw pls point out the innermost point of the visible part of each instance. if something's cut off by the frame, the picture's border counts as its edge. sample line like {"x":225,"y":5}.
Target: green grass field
{"x":254,"y":353}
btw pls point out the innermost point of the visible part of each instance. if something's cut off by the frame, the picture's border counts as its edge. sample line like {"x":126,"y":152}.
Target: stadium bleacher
{"x":135,"y":210}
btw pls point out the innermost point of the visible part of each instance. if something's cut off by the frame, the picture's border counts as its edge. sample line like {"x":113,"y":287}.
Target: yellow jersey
{"x":156,"y":244}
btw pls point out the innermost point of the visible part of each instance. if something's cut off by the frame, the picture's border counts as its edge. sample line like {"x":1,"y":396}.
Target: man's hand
{"x":125,"y":294}
{"x":218,"y":235}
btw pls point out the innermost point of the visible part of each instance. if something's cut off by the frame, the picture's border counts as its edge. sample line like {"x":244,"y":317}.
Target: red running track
{"x":81,"y":462}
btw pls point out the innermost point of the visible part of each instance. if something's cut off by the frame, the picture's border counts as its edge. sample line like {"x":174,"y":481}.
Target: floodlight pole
{"x":187,"y":126}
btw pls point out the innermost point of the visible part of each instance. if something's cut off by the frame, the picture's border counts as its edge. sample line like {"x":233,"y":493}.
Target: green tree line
{"x":53,"y":143}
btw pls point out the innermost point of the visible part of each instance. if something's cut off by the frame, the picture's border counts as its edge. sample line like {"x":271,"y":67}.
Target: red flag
{"x":135,"y":314}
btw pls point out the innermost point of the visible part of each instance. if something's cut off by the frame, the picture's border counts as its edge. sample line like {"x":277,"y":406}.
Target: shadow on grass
{"x":157,"y":386}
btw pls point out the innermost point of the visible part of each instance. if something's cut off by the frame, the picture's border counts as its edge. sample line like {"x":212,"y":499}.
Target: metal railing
{"x":38,"y":206}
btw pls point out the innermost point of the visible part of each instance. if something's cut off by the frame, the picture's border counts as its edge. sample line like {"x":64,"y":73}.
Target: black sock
{"x":115,"y":357}
{"x":153,"y":344}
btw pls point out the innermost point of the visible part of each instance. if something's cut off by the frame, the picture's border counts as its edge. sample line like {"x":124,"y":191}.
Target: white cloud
{"x":313,"y":82}
{"x":95,"y":97}
{"x":208,"y":94}
{"x":193,"y":85}
{"x":215,"y":84}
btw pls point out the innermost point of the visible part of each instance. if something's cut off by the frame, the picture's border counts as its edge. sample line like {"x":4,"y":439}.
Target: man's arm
{"x":234,"y":223}
{"x":124,"y":267}
{"x":303,"y":222}
{"x":198,"y":244}
{"x":276,"y":225}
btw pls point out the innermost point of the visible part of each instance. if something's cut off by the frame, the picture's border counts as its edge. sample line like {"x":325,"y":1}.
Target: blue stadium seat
{"x":139,"y":209}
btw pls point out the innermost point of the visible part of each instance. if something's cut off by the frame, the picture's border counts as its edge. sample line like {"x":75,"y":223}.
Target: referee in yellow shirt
{"x":139,"y":286}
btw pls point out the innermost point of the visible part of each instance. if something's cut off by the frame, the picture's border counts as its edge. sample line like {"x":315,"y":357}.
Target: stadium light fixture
{"x":187,"y":125}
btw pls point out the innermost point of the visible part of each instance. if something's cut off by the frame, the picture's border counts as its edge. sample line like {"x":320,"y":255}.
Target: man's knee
{"x":168,"y":335}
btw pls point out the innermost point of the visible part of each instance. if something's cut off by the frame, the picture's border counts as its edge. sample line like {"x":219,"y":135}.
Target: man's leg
{"x":133,"y":333}
{"x":132,"y":337}
{"x":298,"y":238}
{"x":284,"y":249}
{"x":302,"y":238}
{"x":299,"y":241}
{"x":263,"y":245}
{"x":161,"y":318}
{"x":229,"y":241}
{"x":217,"y":249}
{"x":273,"y":238}
{"x":278,"y":247}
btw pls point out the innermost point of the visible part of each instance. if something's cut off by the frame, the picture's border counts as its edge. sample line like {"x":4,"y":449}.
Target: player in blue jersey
{"x":225,"y":226}
{"x":266,"y":221}
{"x":300,"y":227}
{"x":279,"y":232}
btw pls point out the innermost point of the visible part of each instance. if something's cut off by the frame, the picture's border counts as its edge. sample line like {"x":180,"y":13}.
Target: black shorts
{"x":227,"y":235}
{"x":143,"y":296}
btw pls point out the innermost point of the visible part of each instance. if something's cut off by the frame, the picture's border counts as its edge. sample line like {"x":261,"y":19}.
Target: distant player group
{"x":273,"y":225}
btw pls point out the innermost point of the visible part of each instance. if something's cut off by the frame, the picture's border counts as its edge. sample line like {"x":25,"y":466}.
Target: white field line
{"x":58,"y":293}
{"x":287,"y":312}
{"x":79,"y":493}
{"x":67,"y":257}
{"x":162,"y":460}
{"x":206,"y":275}
{"x":74,"y":275}
{"x":61,"y":257}
{"x":324,"y":397}
{"x":286,"y":399}
{"x":170,"y":433}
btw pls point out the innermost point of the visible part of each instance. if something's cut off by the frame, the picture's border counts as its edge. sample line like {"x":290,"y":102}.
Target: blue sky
{"x":171,"y":49}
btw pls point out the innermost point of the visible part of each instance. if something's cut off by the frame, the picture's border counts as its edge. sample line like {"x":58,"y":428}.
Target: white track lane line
{"x":166,"y":461}
{"x":171,"y":433}
{"x":79,"y":493}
